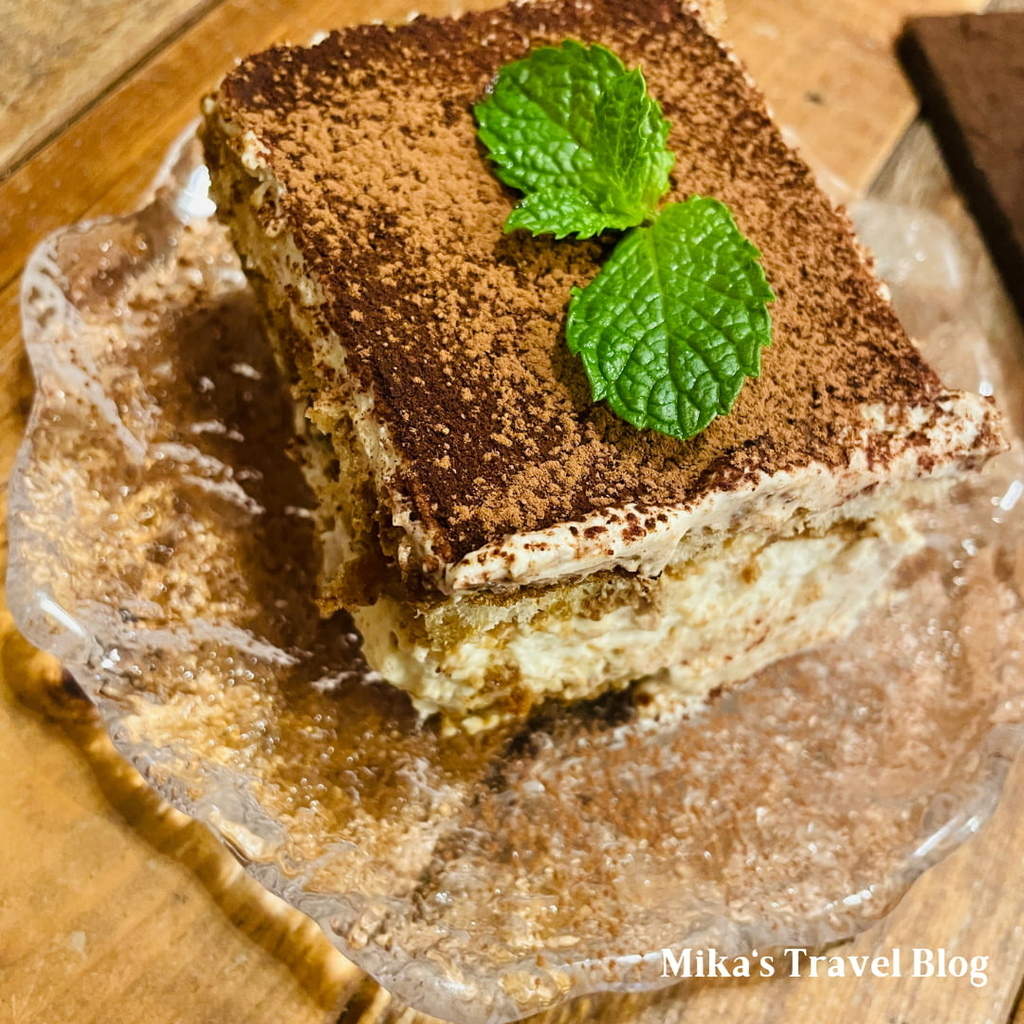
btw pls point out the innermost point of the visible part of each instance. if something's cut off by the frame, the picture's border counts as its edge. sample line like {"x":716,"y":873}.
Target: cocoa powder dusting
{"x":457,"y":328}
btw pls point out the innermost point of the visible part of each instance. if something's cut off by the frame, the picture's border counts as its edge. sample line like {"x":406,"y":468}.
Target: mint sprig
{"x":577,"y":132}
{"x":675,"y":321}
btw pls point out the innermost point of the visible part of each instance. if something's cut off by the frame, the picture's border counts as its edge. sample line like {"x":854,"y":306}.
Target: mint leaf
{"x":560,"y":212}
{"x":577,"y":132}
{"x":675,"y":321}
{"x":629,"y":139}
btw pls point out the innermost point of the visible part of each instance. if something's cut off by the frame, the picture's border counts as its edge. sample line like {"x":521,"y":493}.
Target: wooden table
{"x":113,"y":906}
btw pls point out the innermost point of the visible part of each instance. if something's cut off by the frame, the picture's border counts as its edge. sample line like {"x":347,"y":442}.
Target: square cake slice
{"x":498,"y":536}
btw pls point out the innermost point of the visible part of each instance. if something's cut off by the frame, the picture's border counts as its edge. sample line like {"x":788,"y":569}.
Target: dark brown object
{"x":969,"y":72}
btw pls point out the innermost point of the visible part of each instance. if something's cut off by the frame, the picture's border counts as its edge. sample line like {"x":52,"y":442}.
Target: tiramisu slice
{"x":498,"y":536}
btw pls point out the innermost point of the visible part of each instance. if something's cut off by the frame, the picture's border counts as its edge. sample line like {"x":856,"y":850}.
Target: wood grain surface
{"x":113,"y":906}
{"x":57,"y":57}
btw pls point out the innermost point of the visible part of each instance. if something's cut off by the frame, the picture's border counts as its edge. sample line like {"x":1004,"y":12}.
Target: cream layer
{"x":702,"y":624}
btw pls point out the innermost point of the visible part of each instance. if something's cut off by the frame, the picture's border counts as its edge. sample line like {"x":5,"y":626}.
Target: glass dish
{"x":162,"y":549}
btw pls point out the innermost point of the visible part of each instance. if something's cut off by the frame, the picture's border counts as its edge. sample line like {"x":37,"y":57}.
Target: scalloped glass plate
{"x":161,"y":547}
